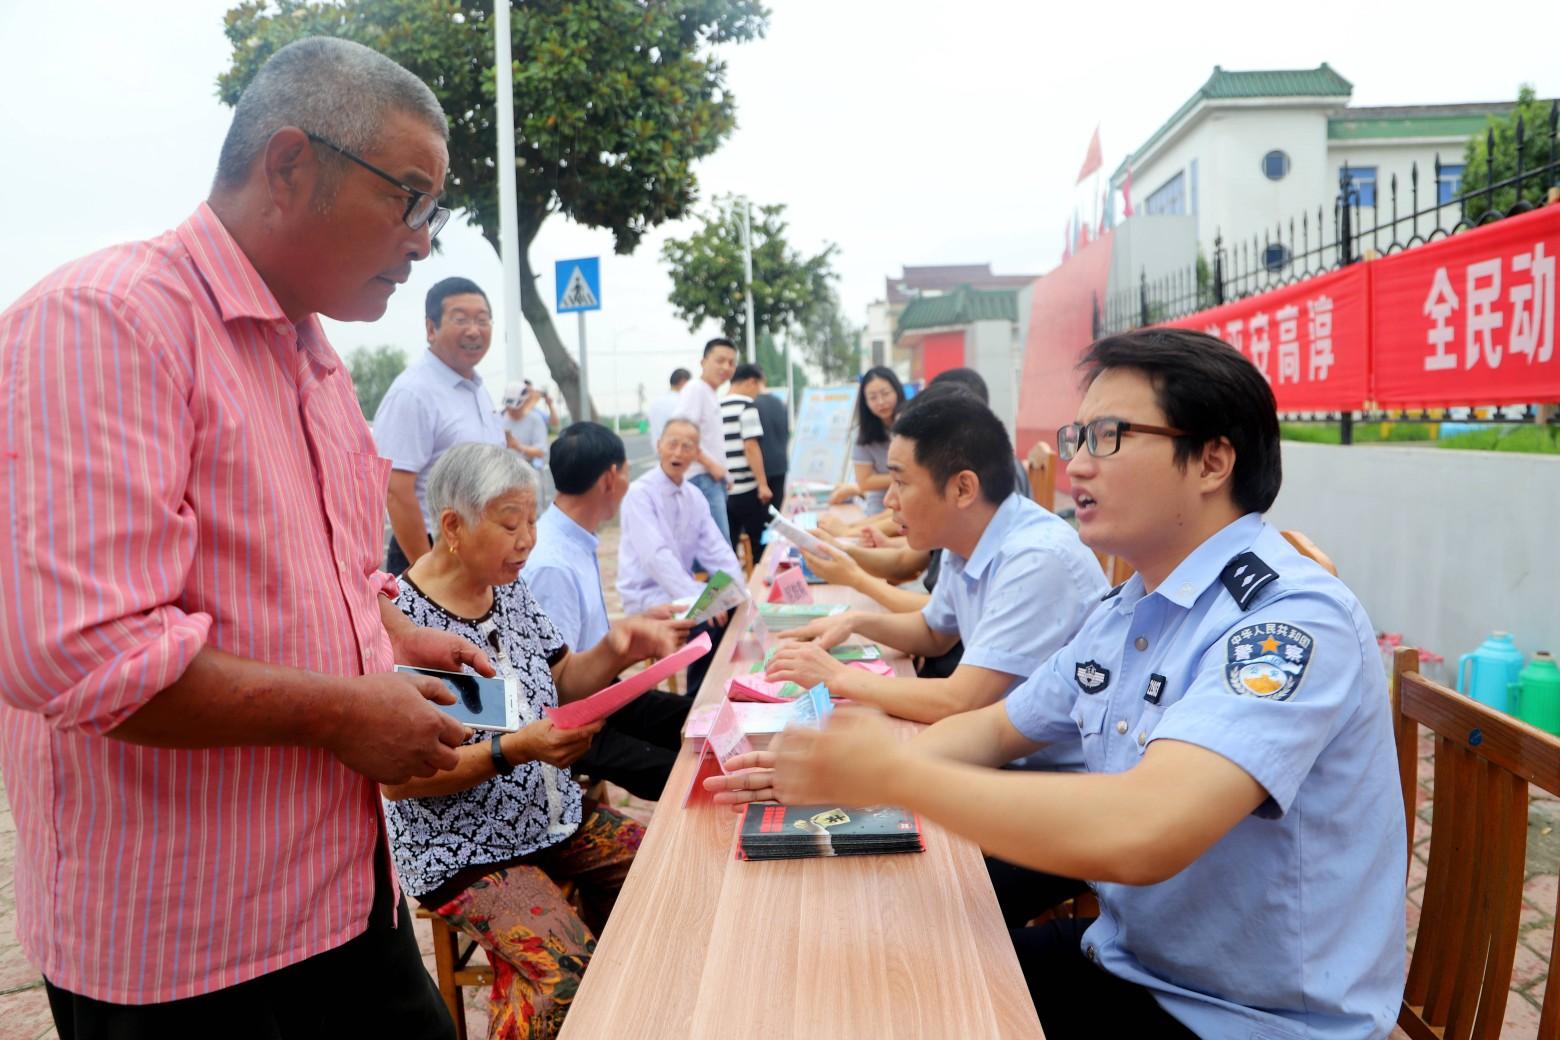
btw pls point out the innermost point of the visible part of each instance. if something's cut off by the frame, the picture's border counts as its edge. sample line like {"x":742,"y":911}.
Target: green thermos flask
{"x":1537,"y":693}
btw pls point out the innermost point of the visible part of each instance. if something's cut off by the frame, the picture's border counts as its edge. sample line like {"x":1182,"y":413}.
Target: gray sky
{"x":905,"y":131}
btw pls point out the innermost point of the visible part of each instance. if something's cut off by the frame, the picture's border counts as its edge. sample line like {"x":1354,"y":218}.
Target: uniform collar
{"x":1193,"y":575}
{"x":993,"y":537}
{"x":445,"y":374}
{"x":569,"y":528}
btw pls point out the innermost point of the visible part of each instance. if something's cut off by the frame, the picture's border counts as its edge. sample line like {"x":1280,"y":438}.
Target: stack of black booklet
{"x":802,"y":831}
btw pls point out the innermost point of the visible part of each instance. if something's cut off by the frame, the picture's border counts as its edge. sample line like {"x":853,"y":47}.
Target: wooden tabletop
{"x":701,"y":944}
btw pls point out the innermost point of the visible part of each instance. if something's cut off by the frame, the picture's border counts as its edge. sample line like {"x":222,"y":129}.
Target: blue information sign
{"x":578,"y":284}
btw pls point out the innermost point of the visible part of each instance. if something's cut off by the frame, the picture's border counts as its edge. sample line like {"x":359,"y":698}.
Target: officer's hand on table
{"x":389,"y":732}
{"x":826,"y":632}
{"x":873,"y":538}
{"x":751,"y":779}
{"x":846,"y":763}
{"x":806,"y":664}
{"x":843,"y":493}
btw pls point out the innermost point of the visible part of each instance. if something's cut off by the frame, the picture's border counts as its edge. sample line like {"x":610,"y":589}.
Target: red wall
{"x":1061,"y":326}
{"x":941,"y":351}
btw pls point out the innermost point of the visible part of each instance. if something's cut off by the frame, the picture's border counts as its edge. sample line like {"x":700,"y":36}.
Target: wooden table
{"x":701,"y":944}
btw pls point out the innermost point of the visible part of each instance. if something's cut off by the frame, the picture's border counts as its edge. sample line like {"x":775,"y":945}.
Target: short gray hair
{"x":468,"y":477}
{"x":340,"y":90}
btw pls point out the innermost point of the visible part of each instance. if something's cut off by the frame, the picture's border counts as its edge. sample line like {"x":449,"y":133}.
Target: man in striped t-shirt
{"x":748,"y":494}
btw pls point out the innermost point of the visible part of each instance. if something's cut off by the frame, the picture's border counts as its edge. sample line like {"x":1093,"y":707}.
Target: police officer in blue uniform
{"x":1240,"y":817}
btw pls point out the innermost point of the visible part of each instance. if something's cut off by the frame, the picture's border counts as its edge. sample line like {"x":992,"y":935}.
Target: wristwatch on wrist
{"x":501,"y":765}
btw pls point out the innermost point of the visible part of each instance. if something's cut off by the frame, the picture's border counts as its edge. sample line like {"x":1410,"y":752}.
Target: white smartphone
{"x":480,"y":703}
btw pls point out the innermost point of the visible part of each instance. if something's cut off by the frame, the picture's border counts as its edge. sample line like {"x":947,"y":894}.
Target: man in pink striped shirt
{"x":198,"y":702}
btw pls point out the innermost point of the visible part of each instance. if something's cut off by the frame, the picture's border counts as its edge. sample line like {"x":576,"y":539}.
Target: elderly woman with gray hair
{"x":487,"y":843}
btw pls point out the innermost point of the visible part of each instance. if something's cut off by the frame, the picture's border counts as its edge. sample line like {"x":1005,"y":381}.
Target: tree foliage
{"x":831,"y":344}
{"x":614,"y":99}
{"x":1535,"y":116}
{"x":373,"y":370}
{"x":708,"y":278}
{"x":771,"y":358}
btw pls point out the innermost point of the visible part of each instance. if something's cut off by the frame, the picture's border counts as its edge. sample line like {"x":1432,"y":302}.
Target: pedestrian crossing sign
{"x":578,"y":284}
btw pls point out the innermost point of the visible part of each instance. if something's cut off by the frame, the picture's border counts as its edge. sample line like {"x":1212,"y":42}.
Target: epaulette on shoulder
{"x":1113,"y":593}
{"x":1245,"y":576}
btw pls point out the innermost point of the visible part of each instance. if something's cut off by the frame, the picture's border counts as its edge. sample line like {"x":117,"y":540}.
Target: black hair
{"x":869,"y":428}
{"x":680,"y":376}
{"x":433,"y":305}
{"x":581,"y":454}
{"x":745,"y":371}
{"x":953,"y":431}
{"x":1210,"y":390}
{"x":965,"y":377}
{"x":718,"y":341}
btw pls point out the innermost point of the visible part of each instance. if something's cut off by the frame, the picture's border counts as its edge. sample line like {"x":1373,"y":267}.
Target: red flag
{"x":1094,"y":160}
{"x":1126,"y":193}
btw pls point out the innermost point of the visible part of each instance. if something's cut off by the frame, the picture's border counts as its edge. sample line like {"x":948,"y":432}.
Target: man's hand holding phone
{"x":389,"y":730}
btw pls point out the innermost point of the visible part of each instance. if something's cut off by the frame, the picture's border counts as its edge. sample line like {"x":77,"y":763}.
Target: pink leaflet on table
{"x":726,"y":737}
{"x":600,"y":705}
{"x":790,"y":587}
{"x":754,"y":687}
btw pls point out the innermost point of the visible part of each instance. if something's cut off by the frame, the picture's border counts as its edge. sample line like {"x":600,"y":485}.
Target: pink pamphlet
{"x":757,"y":718}
{"x":754,"y":687}
{"x":726,"y":740}
{"x":599,"y":705}
{"x":790,"y":586}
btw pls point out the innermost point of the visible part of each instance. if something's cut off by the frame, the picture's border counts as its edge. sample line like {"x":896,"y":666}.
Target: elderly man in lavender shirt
{"x":667,"y":526}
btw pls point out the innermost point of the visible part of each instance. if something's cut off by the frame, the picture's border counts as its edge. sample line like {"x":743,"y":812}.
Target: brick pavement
{"x":24,"y":1010}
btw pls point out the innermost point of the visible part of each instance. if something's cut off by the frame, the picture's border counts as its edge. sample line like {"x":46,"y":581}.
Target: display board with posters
{"x":820,"y":444}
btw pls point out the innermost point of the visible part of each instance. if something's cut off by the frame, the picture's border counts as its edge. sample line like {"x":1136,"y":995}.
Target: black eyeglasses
{"x":1103,"y":436}
{"x":421,"y":208}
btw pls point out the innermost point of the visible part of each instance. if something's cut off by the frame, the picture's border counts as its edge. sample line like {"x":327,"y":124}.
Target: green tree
{"x":373,"y":370}
{"x":707,"y":273}
{"x":830,"y":343}
{"x":614,"y":99}
{"x":1535,"y":116}
{"x":771,"y":358}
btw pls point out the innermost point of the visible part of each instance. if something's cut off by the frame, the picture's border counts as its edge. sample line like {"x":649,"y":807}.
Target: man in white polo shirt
{"x":437,"y":403}
{"x":700,"y":406}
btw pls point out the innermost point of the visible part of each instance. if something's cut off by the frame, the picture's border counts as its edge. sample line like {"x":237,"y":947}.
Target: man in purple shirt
{"x":667,"y":526}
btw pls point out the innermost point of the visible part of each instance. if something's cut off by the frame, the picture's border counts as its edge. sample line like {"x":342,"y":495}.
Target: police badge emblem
{"x":1267,"y":660}
{"x":1091,"y":677}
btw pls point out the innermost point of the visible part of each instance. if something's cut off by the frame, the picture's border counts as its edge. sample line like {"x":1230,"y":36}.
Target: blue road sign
{"x":578,"y":284}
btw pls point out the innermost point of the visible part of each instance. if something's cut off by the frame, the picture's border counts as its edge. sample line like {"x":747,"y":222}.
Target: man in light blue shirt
{"x":1241,"y":819}
{"x":1015,"y":586}
{"x":436,"y":403}
{"x":638,"y":746}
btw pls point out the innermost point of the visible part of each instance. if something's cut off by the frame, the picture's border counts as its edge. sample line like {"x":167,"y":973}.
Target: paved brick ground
{"x":24,"y":1010}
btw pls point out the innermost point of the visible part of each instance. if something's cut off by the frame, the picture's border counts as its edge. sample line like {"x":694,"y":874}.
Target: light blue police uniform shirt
{"x":428,"y":410}
{"x":1021,"y":595}
{"x":564,"y":576}
{"x":1292,"y":924}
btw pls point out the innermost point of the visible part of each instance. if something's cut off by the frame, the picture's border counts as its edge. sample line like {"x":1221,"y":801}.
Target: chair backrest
{"x":1041,"y":469}
{"x":1305,"y":547}
{"x":1460,"y":975}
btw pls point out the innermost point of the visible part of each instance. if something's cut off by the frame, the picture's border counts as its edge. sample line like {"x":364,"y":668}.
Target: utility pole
{"x":747,"y":270}
{"x":508,"y":219}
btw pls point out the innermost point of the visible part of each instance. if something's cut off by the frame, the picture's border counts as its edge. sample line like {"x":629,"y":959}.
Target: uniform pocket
{"x":1089,"y":713}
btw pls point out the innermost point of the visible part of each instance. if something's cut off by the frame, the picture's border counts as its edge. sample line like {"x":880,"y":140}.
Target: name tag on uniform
{"x":1156,"y":688}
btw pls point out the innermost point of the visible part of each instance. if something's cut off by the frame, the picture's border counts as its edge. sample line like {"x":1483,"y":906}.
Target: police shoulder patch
{"x":1245,"y":576}
{"x":1267,"y":660}
{"x":1091,"y":676}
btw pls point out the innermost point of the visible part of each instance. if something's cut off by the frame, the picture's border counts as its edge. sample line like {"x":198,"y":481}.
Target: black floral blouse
{"x":538,"y":805}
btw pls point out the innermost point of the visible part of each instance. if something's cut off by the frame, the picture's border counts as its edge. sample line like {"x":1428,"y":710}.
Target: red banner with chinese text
{"x":1469,"y":319}
{"x":1311,"y":340}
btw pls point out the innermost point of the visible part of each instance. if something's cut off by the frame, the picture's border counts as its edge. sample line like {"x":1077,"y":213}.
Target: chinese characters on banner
{"x":1470,"y":319}
{"x":1310,"y":339}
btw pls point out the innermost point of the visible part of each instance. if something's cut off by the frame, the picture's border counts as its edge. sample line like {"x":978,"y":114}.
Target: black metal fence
{"x":1317,"y":242}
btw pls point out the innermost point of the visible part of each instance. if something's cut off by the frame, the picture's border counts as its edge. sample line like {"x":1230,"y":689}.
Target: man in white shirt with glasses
{"x":437,"y":403}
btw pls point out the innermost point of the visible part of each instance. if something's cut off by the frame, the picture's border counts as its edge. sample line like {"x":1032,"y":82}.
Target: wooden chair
{"x":1040,"y":467}
{"x":1460,"y":975}
{"x":1116,"y":569}
{"x":452,"y":953}
{"x":1305,"y":547}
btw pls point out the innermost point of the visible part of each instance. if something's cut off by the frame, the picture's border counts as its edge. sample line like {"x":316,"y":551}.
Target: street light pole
{"x":747,"y":270}
{"x":508,"y":219}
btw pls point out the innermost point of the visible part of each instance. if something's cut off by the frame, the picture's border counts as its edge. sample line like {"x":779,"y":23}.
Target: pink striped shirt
{"x":180,"y":466}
